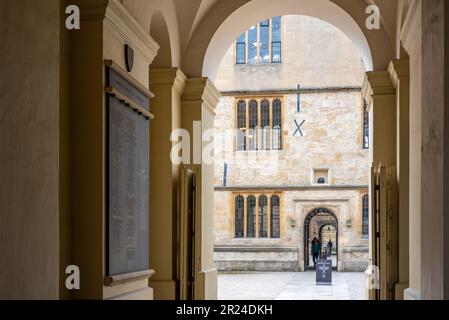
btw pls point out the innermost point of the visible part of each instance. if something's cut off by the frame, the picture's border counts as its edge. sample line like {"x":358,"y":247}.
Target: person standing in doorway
{"x":329,"y":248}
{"x":316,"y":249}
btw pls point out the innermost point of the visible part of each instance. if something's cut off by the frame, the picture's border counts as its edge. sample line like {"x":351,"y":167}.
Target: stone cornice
{"x":291,"y":91}
{"x":288,"y":188}
{"x":202,"y":89}
{"x":408,"y":34}
{"x":254,"y":248}
{"x":399,"y":69}
{"x":92,"y":10}
{"x":172,"y":77}
{"x":122,"y":22}
{"x":377,"y":83}
{"x":130,"y":30}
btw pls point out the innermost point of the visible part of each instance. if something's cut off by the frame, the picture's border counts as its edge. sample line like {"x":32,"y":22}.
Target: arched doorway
{"x":320,"y":223}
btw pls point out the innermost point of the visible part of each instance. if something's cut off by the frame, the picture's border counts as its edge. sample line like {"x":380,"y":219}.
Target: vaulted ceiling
{"x":192,"y":24}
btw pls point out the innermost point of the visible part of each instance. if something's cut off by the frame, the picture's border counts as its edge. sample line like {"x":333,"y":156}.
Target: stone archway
{"x":254,"y":11}
{"x":325,"y":218}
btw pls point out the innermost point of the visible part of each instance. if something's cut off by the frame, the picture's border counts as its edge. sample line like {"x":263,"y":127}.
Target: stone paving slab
{"x":290,"y":286}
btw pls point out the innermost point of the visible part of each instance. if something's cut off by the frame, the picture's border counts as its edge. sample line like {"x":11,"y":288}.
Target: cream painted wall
{"x":29,"y":149}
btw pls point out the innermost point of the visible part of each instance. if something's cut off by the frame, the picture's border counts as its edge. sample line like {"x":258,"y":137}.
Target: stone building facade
{"x":291,"y":157}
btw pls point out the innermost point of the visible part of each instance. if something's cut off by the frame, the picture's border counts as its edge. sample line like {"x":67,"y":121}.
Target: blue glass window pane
{"x":241,"y":53}
{"x":265,"y":42}
{"x":241,"y":49}
{"x":276,"y":29}
{"x":276,"y":52}
{"x":265,"y":23}
{"x":252,"y":45}
{"x":276,"y":47}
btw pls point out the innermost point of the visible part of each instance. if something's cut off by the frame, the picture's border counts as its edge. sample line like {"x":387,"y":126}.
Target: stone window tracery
{"x":259,"y":126}
{"x":261,"y":44}
{"x":257,"y":216}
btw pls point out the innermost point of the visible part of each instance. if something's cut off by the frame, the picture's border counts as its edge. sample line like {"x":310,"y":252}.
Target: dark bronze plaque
{"x":119,"y":83}
{"x":127,"y":186}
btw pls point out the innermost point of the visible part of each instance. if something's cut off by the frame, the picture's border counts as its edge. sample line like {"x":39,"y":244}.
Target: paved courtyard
{"x":290,"y":286}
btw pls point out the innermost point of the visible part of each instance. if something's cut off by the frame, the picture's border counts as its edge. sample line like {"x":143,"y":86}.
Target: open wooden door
{"x":189,"y":230}
{"x":384,"y":232}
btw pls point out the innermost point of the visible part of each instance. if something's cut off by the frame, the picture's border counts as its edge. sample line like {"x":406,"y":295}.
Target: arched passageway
{"x":74,"y":187}
{"x":259,"y":10}
{"x":314,"y":228}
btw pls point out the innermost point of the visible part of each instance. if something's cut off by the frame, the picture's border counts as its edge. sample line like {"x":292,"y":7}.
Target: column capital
{"x":399,"y":69}
{"x":202,"y":89}
{"x":172,"y":77}
{"x":113,"y":14}
{"x":411,"y":26}
{"x":377,"y":83}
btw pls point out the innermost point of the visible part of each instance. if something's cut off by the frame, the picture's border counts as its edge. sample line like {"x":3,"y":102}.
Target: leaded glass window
{"x":365,"y":217}
{"x":239,"y":217}
{"x":241,"y":115}
{"x":251,"y":217}
{"x":253,"y":124}
{"x":265,"y":41}
{"x":276,"y":47}
{"x":263,"y":217}
{"x":365,"y":132}
{"x":275,"y":217}
{"x":253,"y":45}
{"x":277,"y":124}
{"x":241,"y":49}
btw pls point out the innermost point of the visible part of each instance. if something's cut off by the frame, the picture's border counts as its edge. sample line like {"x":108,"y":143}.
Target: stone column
{"x":199,"y":101}
{"x":380,"y":95}
{"x":434,"y":165}
{"x":424,"y":36}
{"x":106,"y":28}
{"x":167,"y":84}
{"x":412,"y":40}
{"x":400,"y":76}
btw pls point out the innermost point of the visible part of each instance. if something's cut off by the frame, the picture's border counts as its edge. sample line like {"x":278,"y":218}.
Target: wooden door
{"x":189,"y":231}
